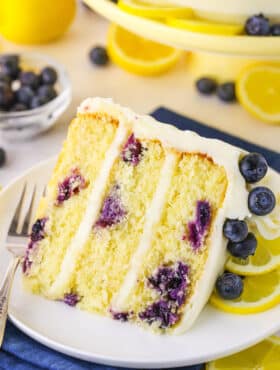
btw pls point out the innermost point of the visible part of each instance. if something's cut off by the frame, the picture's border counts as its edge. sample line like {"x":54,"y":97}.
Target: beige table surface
{"x":173,"y":90}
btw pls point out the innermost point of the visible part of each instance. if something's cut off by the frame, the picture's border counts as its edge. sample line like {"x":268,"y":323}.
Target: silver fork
{"x":17,"y":240}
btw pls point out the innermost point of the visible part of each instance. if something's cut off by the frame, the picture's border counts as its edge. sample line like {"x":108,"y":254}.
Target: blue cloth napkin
{"x":19,"y":352}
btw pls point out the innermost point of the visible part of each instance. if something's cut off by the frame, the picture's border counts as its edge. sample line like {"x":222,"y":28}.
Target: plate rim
{"x":110,"y":360}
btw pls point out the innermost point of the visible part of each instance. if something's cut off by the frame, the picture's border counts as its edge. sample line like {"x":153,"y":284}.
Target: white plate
{"x":103,"y":340}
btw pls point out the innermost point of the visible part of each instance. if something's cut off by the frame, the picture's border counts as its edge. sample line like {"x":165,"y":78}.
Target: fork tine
{"x":15,"y":219}
{"x":28,"y":217}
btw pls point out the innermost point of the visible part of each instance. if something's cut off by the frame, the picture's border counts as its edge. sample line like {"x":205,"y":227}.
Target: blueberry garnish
{"x":2,"y":157}
{"x":257,"y":25}
{"x":229,"y":286}
{"x":99,"y":56}
{"x":48,"y":76}
{"x":29,"y":78}
{"x":243,"y":249}
{"x":226,"y":92}
{"x":24,"y":95}
{"x":253,"y":167}
{"x":206,"y":85}
{"x":235,"y":230}
{"x":261,"y":201}
{"x":275,"y":29}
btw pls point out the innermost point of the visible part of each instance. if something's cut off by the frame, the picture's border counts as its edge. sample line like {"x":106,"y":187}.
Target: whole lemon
{"x":35,"y":21}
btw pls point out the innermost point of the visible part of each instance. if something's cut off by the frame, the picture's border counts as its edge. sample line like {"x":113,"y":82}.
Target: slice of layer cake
{"x":131,"y":225}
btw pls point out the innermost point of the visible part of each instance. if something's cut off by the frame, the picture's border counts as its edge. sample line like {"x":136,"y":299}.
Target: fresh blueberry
{"x":2,"y":157}
{"x":99,"y":56}
{"x":243,"y":249}
{"x":37,"y":101}
{"x":253,"y":167}
{"x":29,"y":78}
{"x":261,"y":201}
{"x":24,"y":95}
{"x":275,"y":29}
{"x":226,"y":92}
{"x":48,"y":76}
{"x":235,"y":230}
{"x":6,"y":96}
{"x":18,"y":107}
{"x":257,"y":25}
{"x":47,"y":92}
{"x":229,"y":286}
{"x":10,"y":65}
{"x":206,"y":85}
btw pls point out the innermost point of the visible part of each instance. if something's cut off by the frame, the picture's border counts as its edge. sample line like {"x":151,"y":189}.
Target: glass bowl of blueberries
{"x":34,"y":91}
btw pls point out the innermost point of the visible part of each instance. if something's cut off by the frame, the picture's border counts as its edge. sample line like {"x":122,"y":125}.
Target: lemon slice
{"x":196,"y":25}
{"x":260,"y":293}
{"x":138,"y":55}
{"x":148,"y":10}
{"x":266,"y":259}
{"x":263,"y":356}
{"x":258,"y":90}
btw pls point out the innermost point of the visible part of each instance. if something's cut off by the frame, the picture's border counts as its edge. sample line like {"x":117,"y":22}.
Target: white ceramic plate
{"x":103,"y":340}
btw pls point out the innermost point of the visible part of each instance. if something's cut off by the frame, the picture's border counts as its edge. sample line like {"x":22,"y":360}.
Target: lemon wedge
{"x":260,"y":293}
{"x":138,"y":55}
{"x":197,"y":25}
{"x":262,"y":356}
{"x":158,"y":11}
{"x":266,"y":259}
{"x":258,"y":90}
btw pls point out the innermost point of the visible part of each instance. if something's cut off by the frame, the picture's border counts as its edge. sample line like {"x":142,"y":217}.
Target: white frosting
{"x":152,"y":217}
{"x":91,"y":215}
{"x":235,"y":203}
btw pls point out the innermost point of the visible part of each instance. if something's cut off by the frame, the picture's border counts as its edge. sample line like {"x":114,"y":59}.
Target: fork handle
{"x":5,"y":291}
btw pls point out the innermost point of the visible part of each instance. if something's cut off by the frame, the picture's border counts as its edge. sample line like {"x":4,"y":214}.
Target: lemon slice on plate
{"x":260,"y":293}
{"x":266,"y":259}
{"x":258,"y":90}
{"x":138,"y":55}
{"x":197,"y":25}
{"x":263,"y":356}
{"x":156,"y":11}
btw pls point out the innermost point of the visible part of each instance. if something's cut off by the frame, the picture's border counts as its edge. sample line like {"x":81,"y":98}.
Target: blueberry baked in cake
{"x":137,"y":217}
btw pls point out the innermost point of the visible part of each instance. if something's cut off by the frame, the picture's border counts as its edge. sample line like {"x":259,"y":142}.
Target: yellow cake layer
{"x":195,"y":178}
{"x":105,"y":260}
{"x":96,"y":133}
